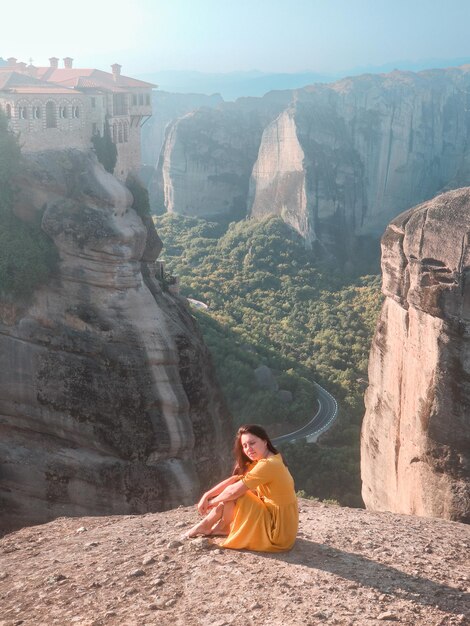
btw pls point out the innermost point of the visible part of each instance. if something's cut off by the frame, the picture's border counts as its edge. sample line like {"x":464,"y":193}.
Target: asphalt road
{"x":321,"y":421}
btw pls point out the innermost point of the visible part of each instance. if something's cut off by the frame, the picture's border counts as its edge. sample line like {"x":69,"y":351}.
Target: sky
{"x":235,"y":35}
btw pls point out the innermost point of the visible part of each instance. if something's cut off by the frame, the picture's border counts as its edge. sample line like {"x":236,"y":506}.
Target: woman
{"x":256,"y":507}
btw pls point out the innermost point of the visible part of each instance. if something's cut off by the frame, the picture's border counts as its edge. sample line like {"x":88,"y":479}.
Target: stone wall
{"x":70,"y":130}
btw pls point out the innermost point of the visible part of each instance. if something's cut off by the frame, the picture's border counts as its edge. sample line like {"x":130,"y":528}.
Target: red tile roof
{"x":23,"y":83}
{"x":91,"y":78}
{"x":71,"y":78}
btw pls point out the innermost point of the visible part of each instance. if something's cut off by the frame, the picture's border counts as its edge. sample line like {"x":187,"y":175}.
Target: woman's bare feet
{"x":196,"y":530}
{"x":220,"y":529}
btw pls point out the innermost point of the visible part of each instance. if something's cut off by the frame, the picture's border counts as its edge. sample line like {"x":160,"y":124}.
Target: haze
{"x":225,"y":36}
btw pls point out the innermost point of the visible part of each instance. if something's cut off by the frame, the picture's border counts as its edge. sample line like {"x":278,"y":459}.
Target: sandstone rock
{"x":136,"y":573}
{"x":387,"y":616}
{"x":208,"y":155}
{"x":166,"y":108}
{"x":265,"y":378}
{"x":416,"y":435}
{"x":107,"y":396}
{"x":335,"y":161}
{"x":148,"y":559}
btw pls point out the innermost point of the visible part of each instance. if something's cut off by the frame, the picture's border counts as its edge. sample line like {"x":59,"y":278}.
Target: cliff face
{"x":415,"y":450}
{"x":166,"y":108}
{"x":208,"y":155}
{"x":335,"y":160}
{"x":278,"y":177}
{"x":107,"y":398}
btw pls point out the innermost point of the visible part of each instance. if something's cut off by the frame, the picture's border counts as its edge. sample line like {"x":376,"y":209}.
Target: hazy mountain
{"x":234,"y":85}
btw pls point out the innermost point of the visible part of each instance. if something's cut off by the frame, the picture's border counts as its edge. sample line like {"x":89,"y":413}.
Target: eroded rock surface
{"x":107,"y":398}
{"x":208,"y":156}
{"x":415,"y":451}
{"x":335,"y":161}
{"x":348,"y":567}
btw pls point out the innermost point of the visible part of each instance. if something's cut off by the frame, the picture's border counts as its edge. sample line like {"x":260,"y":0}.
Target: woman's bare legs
{"x":222,"y":526}
{"x":216,"y":522}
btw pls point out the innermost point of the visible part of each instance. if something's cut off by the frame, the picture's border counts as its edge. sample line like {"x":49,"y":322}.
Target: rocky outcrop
{"x":108,"y":403}
{"x":415,"y":450}
{"x":336,"y":161}
{"x":166,"y":108}
{"x":278,"y":178}
{"x":348,"y":566}
{"x":208,"y":156}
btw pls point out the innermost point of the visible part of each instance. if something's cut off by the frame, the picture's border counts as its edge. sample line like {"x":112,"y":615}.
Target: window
{"x":120,"y":106}
{"x":141,"y":98}
{"x":36,"y":112}
{"x":147,"y":99}
{"x":63,"y":112}
{"x":75,"y":111}
{"x":134,"y":99}
{"x":51,"y":117}
{"x":22,"y":113}
{"x":93,"y":103}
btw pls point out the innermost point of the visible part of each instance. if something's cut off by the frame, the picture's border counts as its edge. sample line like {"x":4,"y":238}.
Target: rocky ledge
{"x":349,"y":567}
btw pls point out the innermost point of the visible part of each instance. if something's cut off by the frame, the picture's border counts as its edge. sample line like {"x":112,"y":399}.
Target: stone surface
{"x":108,"y":402}
{"x":333,"y":160}
{"x":415,"y":450}
{"x":166,"y":107}
{"x":278,"y":184}
{"x":265,"y":378}
{"x":323,"y":580}
{"x":208,"y":156}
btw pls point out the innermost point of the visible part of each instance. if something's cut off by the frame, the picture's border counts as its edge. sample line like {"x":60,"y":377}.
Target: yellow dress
{"x":266,"y":517}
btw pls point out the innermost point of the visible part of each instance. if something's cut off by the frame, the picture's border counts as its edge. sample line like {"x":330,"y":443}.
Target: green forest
{"x":272,"y":302}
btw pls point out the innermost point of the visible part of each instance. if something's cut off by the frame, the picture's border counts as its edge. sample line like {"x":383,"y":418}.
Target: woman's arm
{"x":231,"y":492}
{"x":215,"y":491}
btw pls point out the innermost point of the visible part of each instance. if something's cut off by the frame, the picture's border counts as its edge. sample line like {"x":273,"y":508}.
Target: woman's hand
{"x":203,"y":504}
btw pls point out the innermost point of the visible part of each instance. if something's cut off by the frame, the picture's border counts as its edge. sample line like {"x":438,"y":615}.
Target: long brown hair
{"x":241,"y":460}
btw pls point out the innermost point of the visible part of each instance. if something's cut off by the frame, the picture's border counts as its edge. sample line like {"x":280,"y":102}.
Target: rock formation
{"x":334,"y":160}
{"x":208,"y":156}
{"x":108,"y":403}
{"x":415,"y":450}
{"x":278,"y":178}
{"x":348,"y":567}
{"x":166,"y":108}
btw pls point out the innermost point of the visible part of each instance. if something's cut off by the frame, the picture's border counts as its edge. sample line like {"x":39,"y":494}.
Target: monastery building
{"x":52,"y":108}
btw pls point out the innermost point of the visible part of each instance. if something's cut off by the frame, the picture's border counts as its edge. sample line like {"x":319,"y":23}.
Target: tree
{"x":106,"y":151}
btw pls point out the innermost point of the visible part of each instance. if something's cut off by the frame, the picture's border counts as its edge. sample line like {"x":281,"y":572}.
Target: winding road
{"x":321,"y":421}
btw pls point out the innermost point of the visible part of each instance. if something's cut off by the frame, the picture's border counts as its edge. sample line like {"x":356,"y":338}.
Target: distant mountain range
{"x":234,"y":85}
